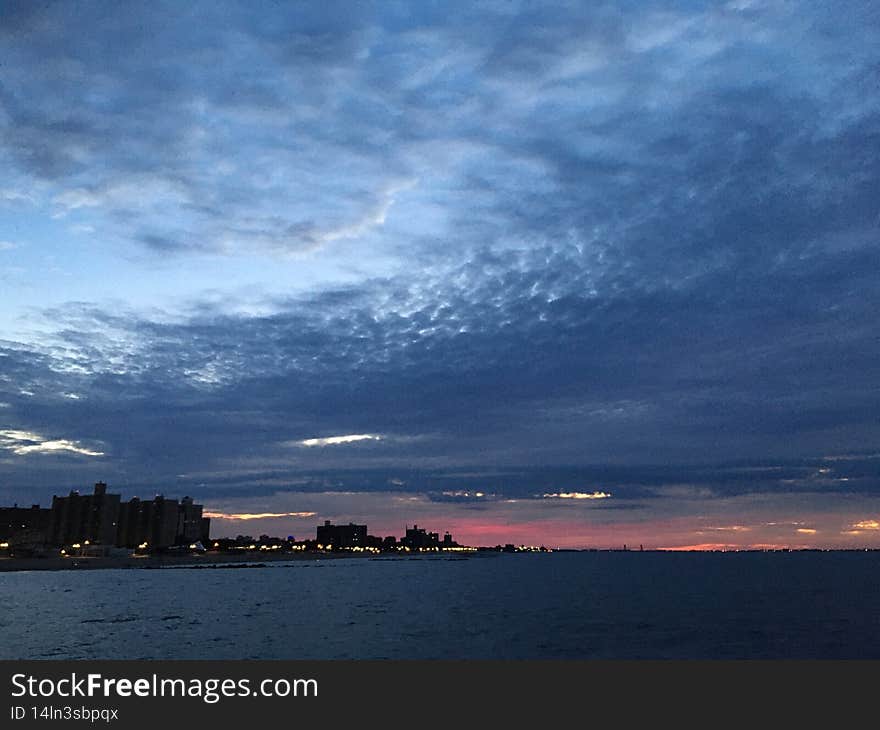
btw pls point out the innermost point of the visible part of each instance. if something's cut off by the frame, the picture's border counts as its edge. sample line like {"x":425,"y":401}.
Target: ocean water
{"x":497,"y":606}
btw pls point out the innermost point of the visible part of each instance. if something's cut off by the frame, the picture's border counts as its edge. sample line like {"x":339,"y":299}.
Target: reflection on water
{"x":562,"y":605}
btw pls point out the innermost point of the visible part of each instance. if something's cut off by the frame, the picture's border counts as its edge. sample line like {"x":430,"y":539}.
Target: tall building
{"x":102,"y":519}
{"x":342,"y":536}
{"x":80,"y":518}
{"x":191,"y":526}
{"x":205,"y":522}
{"x":151,"y":521}
{"x":131,"y":524}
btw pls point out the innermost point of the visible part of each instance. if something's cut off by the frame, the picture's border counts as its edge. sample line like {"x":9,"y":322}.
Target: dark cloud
{"x":490,"y":373}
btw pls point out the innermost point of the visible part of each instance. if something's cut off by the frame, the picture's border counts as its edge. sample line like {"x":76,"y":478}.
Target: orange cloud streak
{"x":257,"y":516}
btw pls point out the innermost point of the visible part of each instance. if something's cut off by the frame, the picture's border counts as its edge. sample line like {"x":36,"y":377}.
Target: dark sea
{"x":608,"y":605}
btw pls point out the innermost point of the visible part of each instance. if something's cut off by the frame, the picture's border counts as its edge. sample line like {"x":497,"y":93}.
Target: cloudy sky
{"x":578,"y":274}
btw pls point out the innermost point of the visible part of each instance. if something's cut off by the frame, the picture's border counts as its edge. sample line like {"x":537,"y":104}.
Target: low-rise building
{"x":23,"y":528}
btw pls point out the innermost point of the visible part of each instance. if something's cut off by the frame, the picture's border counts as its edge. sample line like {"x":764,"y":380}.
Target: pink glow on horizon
{"x":673,"y":534}
{"x":722,"y":526}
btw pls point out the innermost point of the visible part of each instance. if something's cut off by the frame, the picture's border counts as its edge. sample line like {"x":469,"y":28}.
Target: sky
{"x":572,"y":274}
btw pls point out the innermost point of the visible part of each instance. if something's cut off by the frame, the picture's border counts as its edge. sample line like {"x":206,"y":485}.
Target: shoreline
{"x":10,"y":565}
{"x":261,"y":560}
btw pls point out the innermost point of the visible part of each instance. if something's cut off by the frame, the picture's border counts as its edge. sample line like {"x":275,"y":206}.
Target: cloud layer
{"x":623,"y":249}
